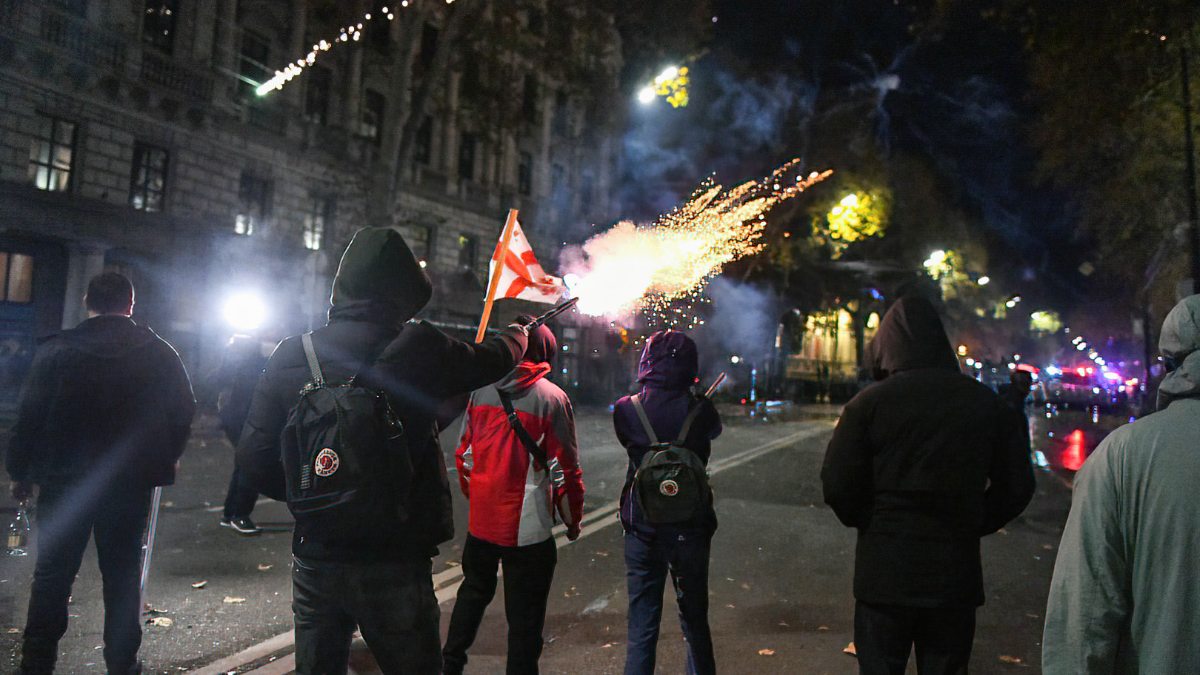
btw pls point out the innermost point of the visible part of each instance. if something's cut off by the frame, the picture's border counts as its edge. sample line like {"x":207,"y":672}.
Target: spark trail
{"x":631,"y":268}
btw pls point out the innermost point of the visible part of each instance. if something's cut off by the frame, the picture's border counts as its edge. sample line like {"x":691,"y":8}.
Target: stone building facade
{"x":132,"y":138}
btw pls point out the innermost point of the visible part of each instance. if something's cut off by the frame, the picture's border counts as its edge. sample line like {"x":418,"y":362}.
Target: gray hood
{"x":1180,"y":344}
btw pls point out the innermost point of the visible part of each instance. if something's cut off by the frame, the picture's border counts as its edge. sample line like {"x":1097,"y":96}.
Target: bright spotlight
{"x":244,"y":311}
{"x":735,"y":360}
{"x":645,"y":95}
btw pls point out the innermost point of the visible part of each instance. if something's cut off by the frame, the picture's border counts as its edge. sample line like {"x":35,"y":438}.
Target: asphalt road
{"x":780,"y":579}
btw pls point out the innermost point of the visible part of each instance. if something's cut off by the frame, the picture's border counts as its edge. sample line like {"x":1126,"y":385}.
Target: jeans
{"x":240,"y":497}
{"x":528,"y":571}
{"x":68,"y":516}
{"x":884,"y":635}
{"x":391,"y":603}
{"x":683,"y":553}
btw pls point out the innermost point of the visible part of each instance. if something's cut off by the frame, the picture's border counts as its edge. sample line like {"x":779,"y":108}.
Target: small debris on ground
{"x":163,"y":621}
{"x":766,"y":652}
{"x":231,"y":600}
{"x":1004,"y":658}
{"x":851,"y":650}
{"x":263,"y":567}
{"x":200,"y":584}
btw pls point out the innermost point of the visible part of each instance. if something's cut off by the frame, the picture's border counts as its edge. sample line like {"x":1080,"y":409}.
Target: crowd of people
{"x":342,"y":424}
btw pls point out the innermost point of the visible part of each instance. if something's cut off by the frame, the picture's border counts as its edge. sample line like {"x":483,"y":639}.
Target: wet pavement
{"x":780,"y":577}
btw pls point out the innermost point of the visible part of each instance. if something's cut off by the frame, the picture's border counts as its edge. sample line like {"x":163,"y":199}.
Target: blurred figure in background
{"x":1125,"y":597}
{"x":241,"y":366}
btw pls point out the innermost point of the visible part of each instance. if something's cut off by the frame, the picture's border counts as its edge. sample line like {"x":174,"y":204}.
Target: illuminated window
{"x":420,"y":240}
{"x":316,"y":223}
{"x":52,"y":154}
{"x":158,"y":23}
{"x":466,"y":252}
{"x":525,"y":174}
{"x":148,"y":183}
{"x":16,"y":277}
{"x":254,"y":196}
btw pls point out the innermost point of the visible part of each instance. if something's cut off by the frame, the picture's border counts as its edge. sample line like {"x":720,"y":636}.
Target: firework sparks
{"x":631,"y":268}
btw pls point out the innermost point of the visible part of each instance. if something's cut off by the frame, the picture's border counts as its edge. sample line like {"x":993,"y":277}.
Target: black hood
{"x":378,"y":266}
{"x":542,"y":345}
{"x":910,"y":336}
{"x":108,"y":336}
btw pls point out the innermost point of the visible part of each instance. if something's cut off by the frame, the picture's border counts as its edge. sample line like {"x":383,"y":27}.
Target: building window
{"x":560,"y":113}
{"x":148,"y":182}
{"x":254,"y":195}
{"x":429,"y":45}
{"x":466,"y":157}
{"x":587,"y":190}
{"x":525,"y":174}
{"x":252,"y":63}
{"x":316,"y":223}
{"x":471,"y":80}
{"x":466,"y":252}
{"x":371,"y":122}
{"x":423,"y":145}
{"x":536,"y":21}
{"x":558,"y":187}
{"x":16,"y":277}
{"x":529,"y":98}
{"x":421,"y":239}
{"x":316,"y":95}
{"x":52,"y":154}
{"x":158,"y":23}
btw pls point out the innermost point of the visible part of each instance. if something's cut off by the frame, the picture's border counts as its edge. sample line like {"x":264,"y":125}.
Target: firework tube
{"x":716,"y":383}
{"x":552,"y":313}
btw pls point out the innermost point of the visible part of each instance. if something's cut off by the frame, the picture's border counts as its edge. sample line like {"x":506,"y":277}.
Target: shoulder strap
{"x":687,"y":423}
{"x":310,"y":354}
{"x":641,"y":413}
{"x":531,"y":445}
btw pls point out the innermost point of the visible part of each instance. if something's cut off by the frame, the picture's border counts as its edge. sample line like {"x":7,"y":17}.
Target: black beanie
{"x":378,"y":265}
{"x":542,"y":344}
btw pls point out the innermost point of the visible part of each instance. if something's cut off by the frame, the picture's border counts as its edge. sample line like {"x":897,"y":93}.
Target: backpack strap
{"x":310,"y":355}
{"x":641,"y":413}
{"x":531,"y":445}
{"x":687,"y":424}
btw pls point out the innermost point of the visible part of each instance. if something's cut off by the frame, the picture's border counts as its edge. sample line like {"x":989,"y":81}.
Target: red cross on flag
{"x":521,"y":276}
{"x":516,"y":273}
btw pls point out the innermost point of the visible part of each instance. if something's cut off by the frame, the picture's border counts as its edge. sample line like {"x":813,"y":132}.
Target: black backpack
{"x":671,"y":483}
{"x":345,"y":455}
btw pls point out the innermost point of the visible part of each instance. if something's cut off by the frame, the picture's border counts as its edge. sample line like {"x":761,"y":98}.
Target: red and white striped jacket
{"x":510,"y":499}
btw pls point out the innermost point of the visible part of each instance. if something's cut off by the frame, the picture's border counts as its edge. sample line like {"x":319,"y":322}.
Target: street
{"x":779,"y":583}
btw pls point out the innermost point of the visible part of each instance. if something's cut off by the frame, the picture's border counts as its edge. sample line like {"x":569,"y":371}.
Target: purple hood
{"x":669,"y":361}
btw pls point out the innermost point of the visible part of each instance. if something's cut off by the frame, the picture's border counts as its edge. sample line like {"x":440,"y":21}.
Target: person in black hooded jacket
{"x":379,"y":582}
{"x":104,"y":416}
{"x":923,"y":463}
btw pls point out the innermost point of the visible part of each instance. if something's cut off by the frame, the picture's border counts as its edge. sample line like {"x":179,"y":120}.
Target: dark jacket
{"x":108,"y":401}
{"x":667,"y":371}
{"x":241,"y":367}
{"x":924,"y":463}
{"x":417,"y":365}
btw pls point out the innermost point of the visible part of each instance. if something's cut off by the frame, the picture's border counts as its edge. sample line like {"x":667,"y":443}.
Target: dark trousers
{"x":240,"y":497}
{"x":884,"y":635}
{"x":391,"y":603}
{"x":528,"y":571}
{"x":647,"y":561}
{"x":68,"y":516}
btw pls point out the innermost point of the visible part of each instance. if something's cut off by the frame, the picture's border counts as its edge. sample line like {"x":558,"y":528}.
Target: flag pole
{"x":497,"y":269}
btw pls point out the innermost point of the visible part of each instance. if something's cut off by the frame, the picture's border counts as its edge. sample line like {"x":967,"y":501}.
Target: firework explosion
{"x":633,"y":268}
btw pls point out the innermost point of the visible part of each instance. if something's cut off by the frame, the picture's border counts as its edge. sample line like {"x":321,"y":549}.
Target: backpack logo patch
{"x":327,"y":463}
{"x":669,"y":488}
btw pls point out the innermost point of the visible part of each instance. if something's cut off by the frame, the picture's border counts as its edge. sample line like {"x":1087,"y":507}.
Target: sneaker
{"x":241,"y":526}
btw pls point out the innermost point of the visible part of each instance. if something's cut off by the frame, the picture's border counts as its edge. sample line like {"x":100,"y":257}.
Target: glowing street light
{"x":984,"y":280}
{"x":244,"y":311}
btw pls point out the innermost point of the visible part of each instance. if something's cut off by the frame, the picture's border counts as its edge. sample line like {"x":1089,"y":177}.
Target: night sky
{"x":953,"y":92}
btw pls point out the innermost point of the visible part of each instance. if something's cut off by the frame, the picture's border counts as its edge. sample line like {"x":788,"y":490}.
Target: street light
{"x":984,"y":280}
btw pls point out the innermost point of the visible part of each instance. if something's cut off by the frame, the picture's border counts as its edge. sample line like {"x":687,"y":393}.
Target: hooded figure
{"x":513,"y":503}
{"x":923,"y":463}
{"x":1125,"y":596}
{"x":668,"y":369}
{"x":375,"y":575}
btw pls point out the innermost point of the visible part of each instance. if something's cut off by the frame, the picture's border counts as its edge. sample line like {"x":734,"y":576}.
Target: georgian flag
{"x":521,"y":276}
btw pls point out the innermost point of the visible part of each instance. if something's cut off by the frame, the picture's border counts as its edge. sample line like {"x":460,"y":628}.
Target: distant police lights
{"x":244,"y":311}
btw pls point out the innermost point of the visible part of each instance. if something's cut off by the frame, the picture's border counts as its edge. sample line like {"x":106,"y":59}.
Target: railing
{"x":164,"y":72}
